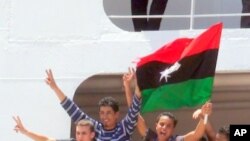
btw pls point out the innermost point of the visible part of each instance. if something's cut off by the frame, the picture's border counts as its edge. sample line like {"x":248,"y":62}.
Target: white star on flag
{"x":166,"y":73}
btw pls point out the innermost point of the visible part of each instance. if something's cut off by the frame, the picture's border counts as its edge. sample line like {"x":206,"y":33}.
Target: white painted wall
{"x":76,"y":40}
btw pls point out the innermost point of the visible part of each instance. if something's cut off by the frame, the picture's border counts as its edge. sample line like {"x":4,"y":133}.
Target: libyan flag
{"x":181,"y":73}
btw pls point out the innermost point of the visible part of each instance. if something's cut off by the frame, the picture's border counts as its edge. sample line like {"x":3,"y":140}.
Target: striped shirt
{"x":123,"y":129}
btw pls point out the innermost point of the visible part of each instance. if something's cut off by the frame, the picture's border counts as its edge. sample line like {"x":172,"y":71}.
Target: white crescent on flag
{"x":166,"y":73}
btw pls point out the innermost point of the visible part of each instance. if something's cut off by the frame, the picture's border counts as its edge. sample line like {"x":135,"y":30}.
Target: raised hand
{"x":52,"y":83}
{"x":197,"y":114}
{"x":128,"y":77}
{"x":50,"y":79}
{"x":34,"y":136}
{"x":19,"y":126}
{"x":206,"y":109}
{"x":127,"y":80}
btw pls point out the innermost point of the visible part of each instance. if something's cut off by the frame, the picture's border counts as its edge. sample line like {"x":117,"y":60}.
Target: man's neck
{"x":110,"y":128}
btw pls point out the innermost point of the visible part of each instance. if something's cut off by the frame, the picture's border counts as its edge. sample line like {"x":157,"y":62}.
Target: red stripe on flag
{"x":210,"y":39}
{"x":182,"y":47}
{"x":169,"y":53}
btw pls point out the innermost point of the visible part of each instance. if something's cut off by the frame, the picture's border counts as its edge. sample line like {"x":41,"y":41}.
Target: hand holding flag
{"x":204,"y":112}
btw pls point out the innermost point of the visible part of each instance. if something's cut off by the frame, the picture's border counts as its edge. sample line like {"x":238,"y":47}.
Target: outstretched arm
{"x":127,"y":81}
{"x":52,"y":83}
{"x":209,"y":130}
{"x":200,"y":128}
{"x":69,"y":106}
{"x":35,"y":136}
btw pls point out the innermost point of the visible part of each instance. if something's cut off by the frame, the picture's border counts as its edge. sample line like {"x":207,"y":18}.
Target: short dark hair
{"x":109,"y":101}
{"x":168,"y":114}
{"x":224,"y":130}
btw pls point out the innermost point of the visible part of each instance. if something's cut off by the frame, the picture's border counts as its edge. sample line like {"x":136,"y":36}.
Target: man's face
{"x":108,"y":117}
{"x":164,"y":128}
{"x":221,"y":137}
{"x":83,"y":133}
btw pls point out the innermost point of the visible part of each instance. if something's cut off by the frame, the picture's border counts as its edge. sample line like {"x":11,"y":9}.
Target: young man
{"x":84,"y":131}
{"x":166,"y":122}
{"x":108,"y":129}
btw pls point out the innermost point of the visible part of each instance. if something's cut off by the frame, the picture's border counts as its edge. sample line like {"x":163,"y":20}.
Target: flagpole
{"x":206,"y":115}
{"x":205,"y":119}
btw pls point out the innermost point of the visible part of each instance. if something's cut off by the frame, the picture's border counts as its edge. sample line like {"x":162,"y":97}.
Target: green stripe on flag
{"x":174,"y":96}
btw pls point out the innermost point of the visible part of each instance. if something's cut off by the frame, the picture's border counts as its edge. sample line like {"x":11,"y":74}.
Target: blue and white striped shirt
{"x":123,"y":129}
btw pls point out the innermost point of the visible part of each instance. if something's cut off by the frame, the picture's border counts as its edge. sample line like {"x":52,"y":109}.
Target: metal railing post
{"x":192,"y":10}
